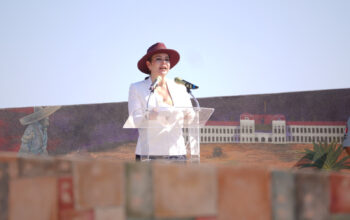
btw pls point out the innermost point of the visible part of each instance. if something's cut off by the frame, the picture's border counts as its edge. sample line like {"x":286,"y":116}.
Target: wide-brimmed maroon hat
{"x":174,"y":56}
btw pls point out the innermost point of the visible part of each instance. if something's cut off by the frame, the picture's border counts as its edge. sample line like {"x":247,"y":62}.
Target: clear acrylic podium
{"x":165,"y":132}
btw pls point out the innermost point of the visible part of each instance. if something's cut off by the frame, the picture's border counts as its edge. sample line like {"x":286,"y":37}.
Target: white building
{"x":271,"y":129}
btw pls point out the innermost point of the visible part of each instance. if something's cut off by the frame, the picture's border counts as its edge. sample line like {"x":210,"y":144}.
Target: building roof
{"x":299,"y":123}
{"x":222,"y":123}
{"x":314,"y":123}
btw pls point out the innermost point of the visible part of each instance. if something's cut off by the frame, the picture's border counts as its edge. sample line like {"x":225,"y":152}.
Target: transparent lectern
{"x":165,"y":132}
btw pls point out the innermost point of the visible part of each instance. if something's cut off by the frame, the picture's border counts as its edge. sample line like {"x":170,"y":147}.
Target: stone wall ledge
{"x":80,"y":187}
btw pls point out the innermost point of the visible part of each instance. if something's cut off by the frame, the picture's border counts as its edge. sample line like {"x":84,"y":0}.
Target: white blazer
{"x":160,"y":141}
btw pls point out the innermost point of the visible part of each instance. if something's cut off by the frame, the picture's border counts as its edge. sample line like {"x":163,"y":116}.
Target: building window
{"x":297,"y":130}
{"x":250,"y":130}
{"x":293,"y":139}
{"x":333,"y":130}
{"x":275,"y":139}
{"x":342,"y":130}
{"x":283,"y":130}
{"x":338,"y":130}
{"x":279,"y":139}
{"x":313,"y":130}
{"x":316,"y":130}
{"x":250,"y":139}
{"x":224,"y":130}
{"x":321,"y":130}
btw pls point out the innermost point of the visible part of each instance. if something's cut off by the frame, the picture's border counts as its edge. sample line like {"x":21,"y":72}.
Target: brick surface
{"x":110,"y":213}
{"x":184,"y":191}
{"x":98,"y":184}
{"x":36,"y":166}
{"x":4,"y":188}
{"x":139,"y":192}
{"x":312,"y":195}
{"x":77,"y":215}
{"x":283,"y":195}
{"x":65,"y":193}
{"x":33,"y":198}
{"x":244,"y":193}
{"x":340,"y":193}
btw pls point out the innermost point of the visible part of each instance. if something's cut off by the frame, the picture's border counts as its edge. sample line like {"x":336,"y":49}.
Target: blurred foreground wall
{"x":56,"y":188}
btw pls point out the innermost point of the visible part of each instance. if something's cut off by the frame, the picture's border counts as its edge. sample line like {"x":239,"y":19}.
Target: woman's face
{"x":159,"y":64}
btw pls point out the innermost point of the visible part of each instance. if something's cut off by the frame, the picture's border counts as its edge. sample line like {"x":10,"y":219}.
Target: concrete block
{"x":64,"y":167}
{"x":340,"y":217}
{"x":36,"y":166}
{"x":98,"y":184}
{"x":283,"y":195}
{"x":4,"y":188}
{"x":312,"y":195}
{"x":184,"y":191}
{"x":33,"y":198}
{"x":340,"y":193}
{"x":109,"y":213}
{"x":139,"y":190}
{"x":244,"y":193}
{"x":77,"y":215}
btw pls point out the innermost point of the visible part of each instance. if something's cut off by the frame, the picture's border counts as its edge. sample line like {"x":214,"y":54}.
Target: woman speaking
{"x":155,"y":95}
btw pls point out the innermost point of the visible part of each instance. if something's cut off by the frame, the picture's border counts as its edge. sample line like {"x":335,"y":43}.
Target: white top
{"x":161,"y":141}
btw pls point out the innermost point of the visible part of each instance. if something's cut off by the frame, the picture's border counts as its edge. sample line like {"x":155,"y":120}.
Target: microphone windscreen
{"x":178,"y":80}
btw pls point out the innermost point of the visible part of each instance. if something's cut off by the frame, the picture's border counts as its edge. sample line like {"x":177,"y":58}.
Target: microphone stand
{"x":196,"y":133}
{"x":194,"y":98}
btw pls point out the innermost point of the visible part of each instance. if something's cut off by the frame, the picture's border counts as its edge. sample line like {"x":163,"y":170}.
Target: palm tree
{"x":326,"y":157}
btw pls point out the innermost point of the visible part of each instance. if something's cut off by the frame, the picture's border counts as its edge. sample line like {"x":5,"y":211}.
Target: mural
{"x":34,"y":139}
{"x":294,"y":120}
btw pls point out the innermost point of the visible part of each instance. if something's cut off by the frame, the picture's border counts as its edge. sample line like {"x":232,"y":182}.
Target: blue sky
{"x":79,"y":52}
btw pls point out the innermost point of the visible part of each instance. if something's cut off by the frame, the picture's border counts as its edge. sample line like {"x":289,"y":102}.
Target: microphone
{"x":155,"y":83}
{"x":188,"y":85}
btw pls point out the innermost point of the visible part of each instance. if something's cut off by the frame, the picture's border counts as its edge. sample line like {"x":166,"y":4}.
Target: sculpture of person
{"x":34,"y":139}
